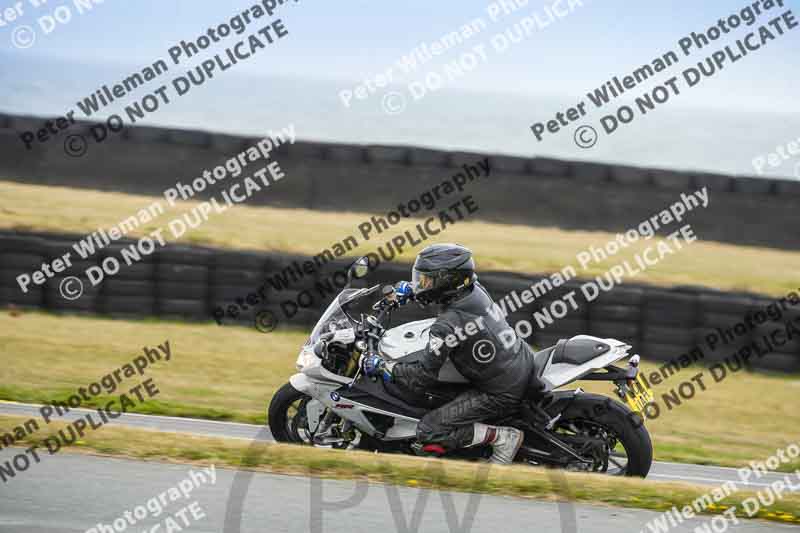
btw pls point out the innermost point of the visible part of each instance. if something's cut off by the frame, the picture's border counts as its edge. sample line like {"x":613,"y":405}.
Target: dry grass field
{"x":497,"y":246}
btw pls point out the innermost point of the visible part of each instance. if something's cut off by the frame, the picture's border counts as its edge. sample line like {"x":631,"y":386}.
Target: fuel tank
{"x":406,"y":339}
{"x":411,"y":338}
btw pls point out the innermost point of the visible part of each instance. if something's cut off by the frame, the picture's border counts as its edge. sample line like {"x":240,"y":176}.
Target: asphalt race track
{"x":73,"y":493}
{"x":706,"y":475}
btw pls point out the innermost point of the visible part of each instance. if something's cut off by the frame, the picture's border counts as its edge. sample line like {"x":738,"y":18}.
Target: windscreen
{"x":334,"y":316}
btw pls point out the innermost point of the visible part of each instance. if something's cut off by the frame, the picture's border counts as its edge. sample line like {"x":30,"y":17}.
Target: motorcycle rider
{"x":470,"y":336}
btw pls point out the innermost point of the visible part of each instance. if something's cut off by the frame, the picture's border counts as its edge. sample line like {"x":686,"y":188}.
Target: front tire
{"x":287,"y":416}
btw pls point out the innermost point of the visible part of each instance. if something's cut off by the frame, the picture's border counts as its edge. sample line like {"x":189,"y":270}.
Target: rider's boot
{"x":505,"y":441}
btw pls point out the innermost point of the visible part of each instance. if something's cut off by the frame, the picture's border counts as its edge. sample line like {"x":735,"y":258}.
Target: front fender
{"x":301,"y":383}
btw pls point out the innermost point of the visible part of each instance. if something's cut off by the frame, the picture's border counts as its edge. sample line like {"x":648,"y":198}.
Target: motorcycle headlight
{"x":306,"y":358}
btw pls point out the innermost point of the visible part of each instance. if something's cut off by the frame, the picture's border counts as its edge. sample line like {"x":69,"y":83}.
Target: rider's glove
{"x":403,"y":292}
{"x":373,"y":365}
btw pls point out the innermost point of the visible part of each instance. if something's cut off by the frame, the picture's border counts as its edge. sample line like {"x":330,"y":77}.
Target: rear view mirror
{"x":360,"y":268}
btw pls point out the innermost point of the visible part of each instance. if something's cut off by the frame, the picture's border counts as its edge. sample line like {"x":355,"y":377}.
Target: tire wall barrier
{"x":193,"y":282}
{"x":338,"y":177}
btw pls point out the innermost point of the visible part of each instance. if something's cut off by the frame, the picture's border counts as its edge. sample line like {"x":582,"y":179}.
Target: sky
{"x":729,"y":122}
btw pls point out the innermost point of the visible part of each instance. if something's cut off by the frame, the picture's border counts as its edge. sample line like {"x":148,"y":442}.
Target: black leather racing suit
{"x":500,"y":371}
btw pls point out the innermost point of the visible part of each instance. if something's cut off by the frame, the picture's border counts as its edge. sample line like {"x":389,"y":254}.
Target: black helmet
{"x":442,"y":272}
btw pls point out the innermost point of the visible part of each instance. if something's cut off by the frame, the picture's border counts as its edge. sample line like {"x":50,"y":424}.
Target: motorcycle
{"x":330,"y":403}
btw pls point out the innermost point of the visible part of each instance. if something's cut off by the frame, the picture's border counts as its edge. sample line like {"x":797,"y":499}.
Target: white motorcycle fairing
{"x":398,"y":342}
{"x":404,"y":427}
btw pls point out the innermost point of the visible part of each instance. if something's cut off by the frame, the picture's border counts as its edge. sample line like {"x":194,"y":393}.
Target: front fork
{"x":321,"y":400}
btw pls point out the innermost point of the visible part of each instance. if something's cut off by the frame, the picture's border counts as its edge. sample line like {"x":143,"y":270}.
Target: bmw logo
{"x":335,"y":396}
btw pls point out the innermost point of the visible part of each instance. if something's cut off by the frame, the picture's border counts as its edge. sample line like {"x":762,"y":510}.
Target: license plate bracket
{"x":638,"y":394}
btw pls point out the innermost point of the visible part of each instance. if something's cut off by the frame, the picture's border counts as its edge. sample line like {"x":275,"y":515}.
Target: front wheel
{"x":612,"y":435}
{"x":287,"y":415}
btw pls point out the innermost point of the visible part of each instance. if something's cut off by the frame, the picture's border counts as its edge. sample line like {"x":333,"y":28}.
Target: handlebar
{"x":384,"y":307}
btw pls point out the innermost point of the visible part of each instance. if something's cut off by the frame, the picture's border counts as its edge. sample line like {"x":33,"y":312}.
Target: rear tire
{"x":279,"y":420}
{"x":626,"y":425}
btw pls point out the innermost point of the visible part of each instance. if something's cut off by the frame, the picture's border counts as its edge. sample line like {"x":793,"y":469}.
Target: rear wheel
{"x":609,"y":434}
